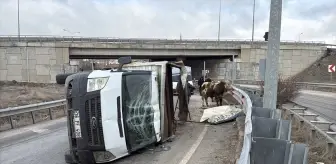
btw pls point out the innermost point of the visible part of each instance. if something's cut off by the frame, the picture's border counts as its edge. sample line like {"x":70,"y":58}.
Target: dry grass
{"x":16,"y":94}
{"x":287,"y":89}
{"x":301,"y":133}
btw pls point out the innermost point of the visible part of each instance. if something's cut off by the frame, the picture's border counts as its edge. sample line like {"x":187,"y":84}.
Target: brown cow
{"x":220,"y":89}
{"x":206,"y":92}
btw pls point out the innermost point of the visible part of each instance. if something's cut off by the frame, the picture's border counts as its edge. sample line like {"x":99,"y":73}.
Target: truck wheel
{"x":60,"y":78}
{"x":68,"y":158}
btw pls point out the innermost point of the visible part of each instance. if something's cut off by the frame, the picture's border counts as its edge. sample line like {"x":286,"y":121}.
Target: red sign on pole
{"x":331,"y":68}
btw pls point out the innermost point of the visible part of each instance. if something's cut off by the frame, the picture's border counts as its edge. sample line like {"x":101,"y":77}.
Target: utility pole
{"x":219,"y":19}
{"x":18,"y":18}
{"x":300,"y":36}
{"x":272,"y":59}
{"x":204,"y":70}
{"x":253,"y":17}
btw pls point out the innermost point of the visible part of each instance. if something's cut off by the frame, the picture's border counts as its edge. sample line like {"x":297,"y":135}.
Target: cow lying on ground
{"x":214,"y":90}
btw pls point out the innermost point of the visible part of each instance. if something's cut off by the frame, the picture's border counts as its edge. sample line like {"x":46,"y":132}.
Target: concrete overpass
{"x":39,"y":59}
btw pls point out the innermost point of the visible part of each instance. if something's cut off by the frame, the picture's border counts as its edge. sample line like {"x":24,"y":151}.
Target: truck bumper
{"x":81,"y":149}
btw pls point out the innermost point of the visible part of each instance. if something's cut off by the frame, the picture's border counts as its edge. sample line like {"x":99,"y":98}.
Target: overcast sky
{"x":316,"y":20}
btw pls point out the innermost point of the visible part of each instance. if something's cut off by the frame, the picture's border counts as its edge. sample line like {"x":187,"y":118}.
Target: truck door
{"x":141,"y":118}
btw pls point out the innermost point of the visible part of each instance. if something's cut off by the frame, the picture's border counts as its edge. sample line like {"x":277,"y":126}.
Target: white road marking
{"x":193,"y":148}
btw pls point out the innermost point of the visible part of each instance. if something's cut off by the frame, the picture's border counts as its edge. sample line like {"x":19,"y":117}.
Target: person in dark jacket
{"x":200,"y":82}
{"x":190,"y":89}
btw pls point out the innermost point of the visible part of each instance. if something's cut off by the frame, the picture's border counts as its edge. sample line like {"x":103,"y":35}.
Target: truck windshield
{"x":137,"y":110}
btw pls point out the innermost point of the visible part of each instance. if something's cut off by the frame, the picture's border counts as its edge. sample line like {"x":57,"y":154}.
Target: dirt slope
{"x":16,"y":94}
{"x":318,"y":71}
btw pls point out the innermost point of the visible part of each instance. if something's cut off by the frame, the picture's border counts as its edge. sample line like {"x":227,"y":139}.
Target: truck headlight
{"x":96,"y":84}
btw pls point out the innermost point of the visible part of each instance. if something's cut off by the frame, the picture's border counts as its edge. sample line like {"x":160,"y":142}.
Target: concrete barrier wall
{"x":292,"y":60}
{"x":32,"y":64}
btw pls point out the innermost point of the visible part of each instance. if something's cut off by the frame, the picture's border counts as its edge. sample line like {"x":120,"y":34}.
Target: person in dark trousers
{"x":200,"y":82}
{"x":190,"y":89}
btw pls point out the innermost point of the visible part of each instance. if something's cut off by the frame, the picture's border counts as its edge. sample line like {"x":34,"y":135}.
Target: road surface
{"x":322,"y":103}
{"x":195,"y":143}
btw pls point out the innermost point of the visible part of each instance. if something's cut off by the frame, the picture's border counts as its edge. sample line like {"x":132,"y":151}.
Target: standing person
{"x":200,"y":82}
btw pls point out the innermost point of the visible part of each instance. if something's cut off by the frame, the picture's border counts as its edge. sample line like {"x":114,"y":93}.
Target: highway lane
{"x":322,"y":103}
{"x":46,"y":142}
{"x":40,"y":143}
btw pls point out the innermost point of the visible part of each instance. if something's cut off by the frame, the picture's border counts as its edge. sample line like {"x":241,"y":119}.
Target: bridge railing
{"x":51,"y":38}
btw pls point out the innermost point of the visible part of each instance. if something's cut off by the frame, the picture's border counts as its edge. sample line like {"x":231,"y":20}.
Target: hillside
{"x":318,"y":71}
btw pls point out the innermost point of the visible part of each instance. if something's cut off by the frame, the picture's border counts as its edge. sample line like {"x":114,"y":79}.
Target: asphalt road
{"x":322,"y":103}
{"x":195,"y":143}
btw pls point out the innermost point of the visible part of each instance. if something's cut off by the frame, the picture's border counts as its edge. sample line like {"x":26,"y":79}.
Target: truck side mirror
{"x":124,"y":60}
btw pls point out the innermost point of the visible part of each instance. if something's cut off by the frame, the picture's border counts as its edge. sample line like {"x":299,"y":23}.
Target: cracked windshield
{"x":167,"y":82}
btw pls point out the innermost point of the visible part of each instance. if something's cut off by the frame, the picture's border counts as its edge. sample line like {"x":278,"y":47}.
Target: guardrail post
{"x":50,"y":114}
{"x":291,"y":117}
{"x":312,"y":134}
{"x":301,"y":124}
{"x":33,"y":116}
{"x":64,"y":110}
{"x":11,"y":121}
{"x":329,"y":150}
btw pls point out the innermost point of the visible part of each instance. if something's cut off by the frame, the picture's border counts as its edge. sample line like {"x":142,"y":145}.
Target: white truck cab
{"x":111,"y":114}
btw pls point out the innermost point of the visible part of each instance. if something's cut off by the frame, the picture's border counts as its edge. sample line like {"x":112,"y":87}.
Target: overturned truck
{"x":112,"y":113}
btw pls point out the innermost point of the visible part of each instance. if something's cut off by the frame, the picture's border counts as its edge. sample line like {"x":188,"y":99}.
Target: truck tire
{"x":68,"y":158}
{"x":60,"y":78}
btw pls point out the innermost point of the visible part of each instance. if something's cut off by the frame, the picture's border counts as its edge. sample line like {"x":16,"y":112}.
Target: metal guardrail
{"x":323,"y":133}
{"x":330,"y":141}
{"x":245,"y":100}
{"x":9,"y":112}
{"x":318,"y":84}
{"x":263,"y":141}
{"x":50,"y":38}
